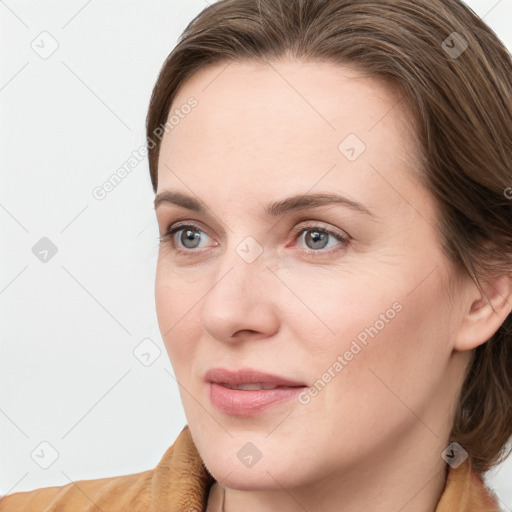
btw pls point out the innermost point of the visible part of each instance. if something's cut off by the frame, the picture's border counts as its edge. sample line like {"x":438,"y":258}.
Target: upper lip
{"x":248,"y":376}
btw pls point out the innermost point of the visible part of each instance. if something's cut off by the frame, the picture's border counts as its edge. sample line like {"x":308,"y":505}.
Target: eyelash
{"x":299,"y":230}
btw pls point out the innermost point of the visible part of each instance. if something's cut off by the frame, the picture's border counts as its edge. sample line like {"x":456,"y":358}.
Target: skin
{"x":263,"y":132}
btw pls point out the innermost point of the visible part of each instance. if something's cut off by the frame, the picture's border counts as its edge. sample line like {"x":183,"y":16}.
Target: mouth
{"x":248,"y":392}
{"x":254,"y":387}
{"x":242,"y":378}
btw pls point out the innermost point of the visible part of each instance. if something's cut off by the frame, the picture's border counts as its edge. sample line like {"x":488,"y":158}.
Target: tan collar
{"x":182,"y":482}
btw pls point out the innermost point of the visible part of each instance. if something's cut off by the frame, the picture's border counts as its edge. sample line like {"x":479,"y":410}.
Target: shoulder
{"x":465,"y":491}
{"x":180,"y":477}
{"x":112,"y":494}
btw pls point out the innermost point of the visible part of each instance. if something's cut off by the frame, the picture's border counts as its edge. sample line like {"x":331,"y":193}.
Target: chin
{"x":252,"y":479}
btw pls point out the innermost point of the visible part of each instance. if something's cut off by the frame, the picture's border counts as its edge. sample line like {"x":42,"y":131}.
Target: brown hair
{"x":462,"y":99}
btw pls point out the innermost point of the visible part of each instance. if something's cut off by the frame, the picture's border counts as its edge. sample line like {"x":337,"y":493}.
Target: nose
{"x":242,"y":302}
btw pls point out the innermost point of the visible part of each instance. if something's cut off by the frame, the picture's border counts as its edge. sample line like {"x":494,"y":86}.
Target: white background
{"x":69,"y":326}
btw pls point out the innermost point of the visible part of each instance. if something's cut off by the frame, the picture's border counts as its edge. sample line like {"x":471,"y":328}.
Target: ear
{"x":483,"y":313}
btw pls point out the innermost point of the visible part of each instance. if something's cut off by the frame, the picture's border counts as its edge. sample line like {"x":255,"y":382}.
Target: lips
{"x":249,"y":379}
{"x":248,"y":392}
{"x":252,"y":387}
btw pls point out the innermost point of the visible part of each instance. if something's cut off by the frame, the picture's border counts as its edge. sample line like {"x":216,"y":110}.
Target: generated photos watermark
{"x":356,"y":346}
{"x":100,"y":192}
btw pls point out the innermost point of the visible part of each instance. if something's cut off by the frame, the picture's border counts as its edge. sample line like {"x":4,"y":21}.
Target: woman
{"x":334,"y":281}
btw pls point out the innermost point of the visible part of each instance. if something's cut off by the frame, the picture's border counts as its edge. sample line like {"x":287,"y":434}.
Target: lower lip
{"x":241,"y":402}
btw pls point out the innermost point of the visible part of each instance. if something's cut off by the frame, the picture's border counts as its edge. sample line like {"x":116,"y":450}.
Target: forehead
{"x":283,"y":120}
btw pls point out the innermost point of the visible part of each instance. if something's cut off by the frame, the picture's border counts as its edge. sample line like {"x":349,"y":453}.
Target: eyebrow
{"x":274,"y":209}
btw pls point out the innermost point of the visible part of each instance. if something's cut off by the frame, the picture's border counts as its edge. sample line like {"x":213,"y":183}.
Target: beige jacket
{"x":181,"y":483}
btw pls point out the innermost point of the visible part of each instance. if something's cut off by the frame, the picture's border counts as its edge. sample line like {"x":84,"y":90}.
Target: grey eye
{"x":189,"y":238}
{"x":316,"y":239}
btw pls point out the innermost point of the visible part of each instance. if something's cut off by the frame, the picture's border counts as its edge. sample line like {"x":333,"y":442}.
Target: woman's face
{"x":360,"y":313}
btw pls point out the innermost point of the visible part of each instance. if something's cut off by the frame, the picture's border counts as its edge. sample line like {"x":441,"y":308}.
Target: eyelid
{"x":174,"y":227}
{"x":302,"y":226}
{"x":342,"y":236}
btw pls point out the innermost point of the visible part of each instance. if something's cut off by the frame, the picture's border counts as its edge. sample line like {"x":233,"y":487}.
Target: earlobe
{"x":485,"y":313}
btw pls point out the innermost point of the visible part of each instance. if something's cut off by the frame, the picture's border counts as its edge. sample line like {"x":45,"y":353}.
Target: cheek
{"x":394,"y":350}
{"x":370,"y":328}
{"x":177,"y":302}
{"x":178,"y":292}
{"x":332,"y":308}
